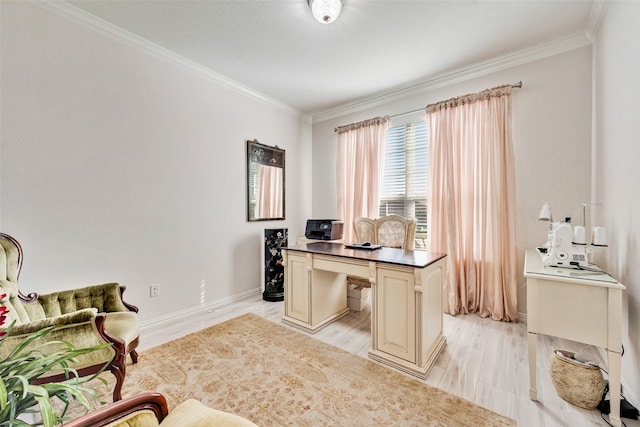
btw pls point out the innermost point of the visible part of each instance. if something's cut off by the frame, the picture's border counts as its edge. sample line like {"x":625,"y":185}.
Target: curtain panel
{"x":472,"y":202}
{"x":359,"y":170}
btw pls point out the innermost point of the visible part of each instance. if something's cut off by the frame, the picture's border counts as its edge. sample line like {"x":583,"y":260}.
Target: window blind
{"x":405,"y":181}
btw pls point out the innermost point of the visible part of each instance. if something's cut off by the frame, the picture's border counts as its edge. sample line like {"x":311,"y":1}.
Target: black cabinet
{"x":274,"y":240}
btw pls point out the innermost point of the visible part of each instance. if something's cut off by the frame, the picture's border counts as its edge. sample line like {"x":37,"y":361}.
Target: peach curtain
{"x":359,"y":173}
{"x":472,"y":202}
{"x":270,"y":192}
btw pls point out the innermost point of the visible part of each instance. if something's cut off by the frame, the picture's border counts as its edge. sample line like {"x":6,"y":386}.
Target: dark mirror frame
{"x":260,"y":154}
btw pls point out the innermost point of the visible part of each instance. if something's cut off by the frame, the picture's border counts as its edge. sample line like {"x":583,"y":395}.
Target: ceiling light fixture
{"x":325,"y":11}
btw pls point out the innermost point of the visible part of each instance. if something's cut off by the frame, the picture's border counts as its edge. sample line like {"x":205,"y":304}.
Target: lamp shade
{"x":325,"y":11}
{"x":545,"y":213}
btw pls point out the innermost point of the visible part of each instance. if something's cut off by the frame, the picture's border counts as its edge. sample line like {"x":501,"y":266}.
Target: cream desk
{"x":406,"y":298}
{"x":578,"y":305}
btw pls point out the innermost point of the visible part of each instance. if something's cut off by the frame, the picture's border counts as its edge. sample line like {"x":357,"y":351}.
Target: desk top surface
{"x":417,"y":259}
{"x":534,"y":267}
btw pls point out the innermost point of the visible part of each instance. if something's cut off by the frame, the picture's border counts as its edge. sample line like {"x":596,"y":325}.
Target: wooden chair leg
{"x":131,"y":349}
{"x":118,"y":369}
{"x":118,"y":365}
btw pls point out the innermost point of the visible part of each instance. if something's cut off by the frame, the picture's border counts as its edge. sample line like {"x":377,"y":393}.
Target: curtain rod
{"x":514,"y":86}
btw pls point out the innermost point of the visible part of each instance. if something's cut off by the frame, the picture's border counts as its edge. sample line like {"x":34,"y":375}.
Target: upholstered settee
{"x":84,"y":317}
{"x":151,"y":410}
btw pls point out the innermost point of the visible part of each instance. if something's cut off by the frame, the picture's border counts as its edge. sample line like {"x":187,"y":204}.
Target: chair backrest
{"x":10,"y":265}
{"x":395,"y":231}
{"x":10,"y":259}
{"x":391,"y":231}
{"x":145,"y":409}
{"x":365,"y":230}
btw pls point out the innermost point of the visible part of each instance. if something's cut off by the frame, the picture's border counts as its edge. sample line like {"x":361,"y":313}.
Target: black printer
{"x":324,"y":229}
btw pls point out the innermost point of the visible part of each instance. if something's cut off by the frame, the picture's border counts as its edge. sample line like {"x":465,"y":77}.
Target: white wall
{"x":117,"y":165}
{"x":616,"y":172}
{"x":551,"y":137}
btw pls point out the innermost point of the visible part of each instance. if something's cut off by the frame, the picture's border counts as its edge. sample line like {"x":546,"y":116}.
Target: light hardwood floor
{"x":484,"y":361}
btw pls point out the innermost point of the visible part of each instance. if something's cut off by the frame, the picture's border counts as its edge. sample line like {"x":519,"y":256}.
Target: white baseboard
{"x":158,"y":323}
{"x":629,"y":395}
{"x":625,"y":390}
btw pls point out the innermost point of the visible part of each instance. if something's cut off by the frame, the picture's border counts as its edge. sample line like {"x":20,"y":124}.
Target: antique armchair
{"x":151,"y":410}
{"x":83,"y":317}
{"x":392,"y":231}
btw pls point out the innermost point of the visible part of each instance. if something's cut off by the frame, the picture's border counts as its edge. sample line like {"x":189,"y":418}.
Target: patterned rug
{"x":275,"y":376}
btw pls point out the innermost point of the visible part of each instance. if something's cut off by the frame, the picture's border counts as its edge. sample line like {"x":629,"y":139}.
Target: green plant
{"x":30,"y":360}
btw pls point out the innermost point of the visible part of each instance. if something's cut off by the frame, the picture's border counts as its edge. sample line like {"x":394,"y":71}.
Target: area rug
{"x":275,"y":376}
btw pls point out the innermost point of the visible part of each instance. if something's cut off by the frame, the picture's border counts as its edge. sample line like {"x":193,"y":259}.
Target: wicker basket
{"x":577,"y":383}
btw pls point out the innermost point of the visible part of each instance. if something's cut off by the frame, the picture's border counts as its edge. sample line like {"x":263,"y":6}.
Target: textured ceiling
{"x":276,"y":48}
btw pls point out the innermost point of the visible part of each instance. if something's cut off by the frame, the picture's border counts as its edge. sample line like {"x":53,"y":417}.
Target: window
{"x":404,"y":188}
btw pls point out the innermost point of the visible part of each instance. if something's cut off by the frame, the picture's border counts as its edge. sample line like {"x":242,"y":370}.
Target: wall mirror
{"x":265,"y":182}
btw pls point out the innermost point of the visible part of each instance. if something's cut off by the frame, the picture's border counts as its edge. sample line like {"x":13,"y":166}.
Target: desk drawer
{"x":352,"y":267}
{"x":572,"y":311}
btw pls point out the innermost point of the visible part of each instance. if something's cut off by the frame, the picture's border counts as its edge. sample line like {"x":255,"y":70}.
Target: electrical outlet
{"x":154,"y":291}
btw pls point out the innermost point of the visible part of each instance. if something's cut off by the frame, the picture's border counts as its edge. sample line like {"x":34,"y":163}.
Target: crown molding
{"x":441,"y":80}
{"x":596,"y":15}
{"x":110,"y":30}
{"x":446,"y":79}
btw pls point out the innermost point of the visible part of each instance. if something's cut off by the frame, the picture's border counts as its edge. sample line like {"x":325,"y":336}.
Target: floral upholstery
{"x":83,"y":317}
{"x":365,"y":230}
{"x":392,"y":231}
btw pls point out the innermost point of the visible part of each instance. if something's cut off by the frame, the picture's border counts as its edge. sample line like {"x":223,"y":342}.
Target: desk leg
{"x":614,"y":387}
{"x":533,"y":351}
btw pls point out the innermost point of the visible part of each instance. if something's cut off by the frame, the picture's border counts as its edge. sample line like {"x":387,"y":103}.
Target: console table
{"x":406,"y":298}
{"x":577,"y":305}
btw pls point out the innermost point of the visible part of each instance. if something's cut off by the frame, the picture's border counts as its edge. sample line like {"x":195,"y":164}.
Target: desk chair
{"x":392,"y":231}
